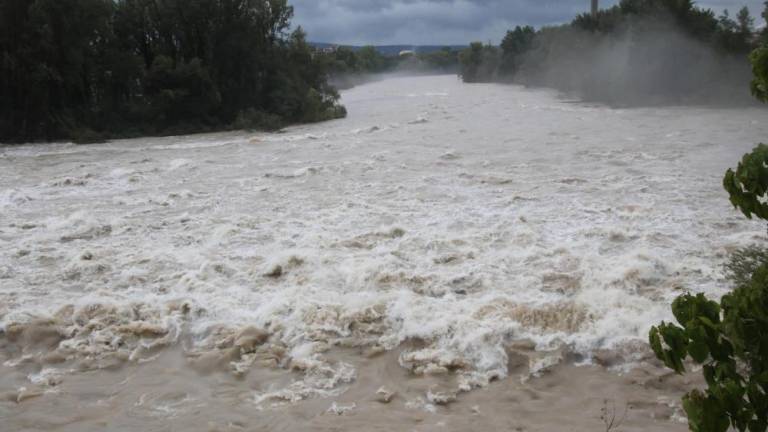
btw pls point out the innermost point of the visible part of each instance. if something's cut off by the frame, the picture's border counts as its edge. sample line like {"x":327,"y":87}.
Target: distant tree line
{"x":638,"y":50}
{"x":94,"y":69}
{"x":346,"y":65}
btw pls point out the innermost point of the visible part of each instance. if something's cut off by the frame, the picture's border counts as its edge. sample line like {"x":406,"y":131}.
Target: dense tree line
{"x":90,"y":69}
{"x":366,"y":60}
{"x":637,"y":51}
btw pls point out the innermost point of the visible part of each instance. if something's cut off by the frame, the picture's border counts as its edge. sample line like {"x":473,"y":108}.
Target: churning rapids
{"x":446,"y":253}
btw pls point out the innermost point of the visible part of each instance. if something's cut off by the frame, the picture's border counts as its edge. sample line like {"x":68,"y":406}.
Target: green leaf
{"x":698,"y":351}
{"x":655,"y":341}
{"x":675,"y":338}
{"x":694,"y":407}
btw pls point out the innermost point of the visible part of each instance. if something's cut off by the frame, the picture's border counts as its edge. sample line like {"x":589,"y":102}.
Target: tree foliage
{"x":479,"y":63}
{"x":636,"y":50}
{"x":760,"y":70}
{"x":748,"y":185}
{"x":128,"y":67}
{"x":729,"y":339}
{"x":444,"y":60}
{"x":516,"y":43}
{"x":345,"y":61}
{"x":764,"y":32}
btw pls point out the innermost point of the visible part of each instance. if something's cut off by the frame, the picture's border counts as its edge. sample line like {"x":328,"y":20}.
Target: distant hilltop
{"x":391,"y":50}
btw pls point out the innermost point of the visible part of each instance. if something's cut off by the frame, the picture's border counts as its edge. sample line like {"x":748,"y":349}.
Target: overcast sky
{"x":438,"y":22}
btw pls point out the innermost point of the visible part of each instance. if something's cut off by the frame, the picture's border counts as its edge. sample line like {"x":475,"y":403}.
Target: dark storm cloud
{"x":444,"y":21}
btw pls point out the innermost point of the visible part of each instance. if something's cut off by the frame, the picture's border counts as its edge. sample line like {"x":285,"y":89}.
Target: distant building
{"x":407,"y":53}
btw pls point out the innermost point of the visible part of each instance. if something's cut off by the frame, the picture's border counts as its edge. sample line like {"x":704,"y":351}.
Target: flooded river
{"x":448,"y":257}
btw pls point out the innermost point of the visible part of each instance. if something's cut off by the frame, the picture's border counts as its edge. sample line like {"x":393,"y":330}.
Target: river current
{"x":440,"y":227}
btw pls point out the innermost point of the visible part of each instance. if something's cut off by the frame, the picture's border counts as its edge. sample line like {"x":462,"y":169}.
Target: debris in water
{"x":341,"y":409}
{"x":384,"y":395}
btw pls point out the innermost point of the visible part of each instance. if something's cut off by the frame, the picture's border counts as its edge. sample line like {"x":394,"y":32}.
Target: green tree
{"x":471,"y":60}
{"x":745,"y":21}
{"x":300,"y":92}
{"x":446,"y":60}
{"x":50,"y":54}
{"x":345,"y":61}
{"x":704,"y":60}
{"x":735,"y":36}
{"x":369,"y":60}
{"x":126,"y":67}
{"x":760,"y":69}
{"x":729,"y":339}
{"x":479,"y":63}
{"x":514,"y":45}
{"x":764,"y":35}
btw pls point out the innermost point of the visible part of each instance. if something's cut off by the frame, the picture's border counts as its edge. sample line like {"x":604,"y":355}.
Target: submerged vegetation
{"x":730,"y":338}
{"x":639,"y":51}
{"x":94,"y":69}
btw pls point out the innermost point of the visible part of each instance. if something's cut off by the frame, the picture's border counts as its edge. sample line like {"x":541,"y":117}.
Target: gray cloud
{"x":445,"y":21}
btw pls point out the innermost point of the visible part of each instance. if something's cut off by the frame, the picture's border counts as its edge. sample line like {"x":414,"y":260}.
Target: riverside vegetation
{"x":350,"y":66}
{"x":94,"y":69}
{"x":636,"y":52}
{"x":730,"y":338}
{"x":368,"y":60}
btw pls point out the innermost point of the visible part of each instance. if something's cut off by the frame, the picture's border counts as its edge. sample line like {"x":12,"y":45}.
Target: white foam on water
{"x":14,"y":198}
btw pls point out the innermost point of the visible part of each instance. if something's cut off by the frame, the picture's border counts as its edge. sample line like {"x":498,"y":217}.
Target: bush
{"x":729,"y":339}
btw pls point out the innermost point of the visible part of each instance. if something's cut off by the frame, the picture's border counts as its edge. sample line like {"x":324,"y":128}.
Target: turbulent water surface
{"x":429,"y":244}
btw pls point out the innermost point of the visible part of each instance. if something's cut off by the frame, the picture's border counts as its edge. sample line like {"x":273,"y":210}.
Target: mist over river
{"x":447,"y":244}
